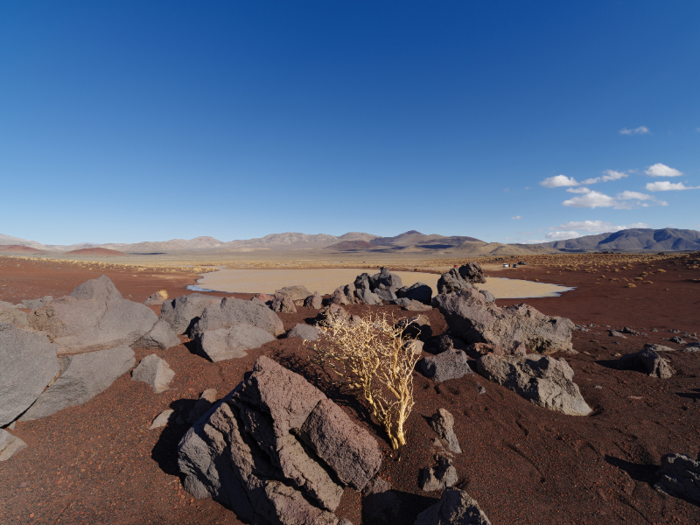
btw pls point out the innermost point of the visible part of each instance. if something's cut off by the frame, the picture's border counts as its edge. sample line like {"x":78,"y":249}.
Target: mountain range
{"x":631,"y":240}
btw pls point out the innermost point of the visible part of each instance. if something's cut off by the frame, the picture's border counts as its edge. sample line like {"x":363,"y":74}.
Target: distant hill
{"x":95,"y":251}
{"x":633,"y":240}
{"x":18,"y":248}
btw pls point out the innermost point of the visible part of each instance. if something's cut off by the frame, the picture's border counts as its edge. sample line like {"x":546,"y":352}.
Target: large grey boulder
{"x":455,"y":507}
{"x":28,"y":363}
{"x":543,"y":380}
{"x":183,"y":312}
{"x":276,"y":452}
{"x":295,"y":293}
{"x":9,"y":445}
{"x":93,"y":317}
{"x":231,"y":311}
{"x":385,"y":295}
{"x":304,"y":331}
{"x":83,"y":376}
{"x":367,"y":296}
{"x":452,"y":281}
{"x":679,"y":476}
{"x":385,"y":280}
{"x":420,"y":292}
{"x":650,"y":361}
{"x":283,"y":304}
{"x":229,"y":343}
{"x":155,"y":372}
{"x":451,"y":364}
{"x":314,"y":301}
{"x":474,"y":320}
{"x":161,"y":337}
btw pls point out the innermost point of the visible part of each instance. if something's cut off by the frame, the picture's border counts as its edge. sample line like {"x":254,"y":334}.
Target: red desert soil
{"x":96,"y":251}
{"x":18,"y":248}
{"x":99,"y":463}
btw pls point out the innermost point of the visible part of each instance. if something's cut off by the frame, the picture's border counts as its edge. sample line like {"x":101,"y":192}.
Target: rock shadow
{"x":638,"y":472}
{"x":690,"y":395}
{"x":165,"y":450}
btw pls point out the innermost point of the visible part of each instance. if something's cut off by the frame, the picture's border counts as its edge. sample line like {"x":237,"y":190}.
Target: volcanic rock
{"x":415,"y":306}
{"x":283,"y":304}
{"x":451,"y":364}
{"x":93,"y":317}
{"x":649,"y":360}
{"x":443,"y":424}
{"x":231,"y":311}
{"x":28,"y":364}
{"x":164,"y":418}
{"x":229,"y":343}
{"x":295,"y":293}
{"x":314,"y":301}
{"x":183,"y":312}
{"x":439,"y":477}
{"x":476,"y":350}
{"x":10,"y":314}
{"x":462,"y":278}
{"x":30,"y":304}
{"x":9,"y":445}
{"x":415,"y":327}
{"x":380,"y":504}
{"x":420,"y":292}
{"x":250,"y":451}
{"x":305,"y":331}
{"x":368,"y":297}
{"x":202,"y":406}
{"x":543,"y":380}
{"x":679,"y":476}
{"x":161,"y":337}
{"x":155,"y":372}
{"x":385,"y":280}
{"x":474,"y":320}
{"x":455,"y":507}
{"x":83,"y":376}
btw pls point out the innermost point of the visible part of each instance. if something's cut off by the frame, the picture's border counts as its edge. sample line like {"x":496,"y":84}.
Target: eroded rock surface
{"x":183,"y":312}
{"x":229,"y":343}
{"x":155,"y":372}
{"x":475,"y":320}
{"x":304,"y":331}
{"x":261,"y":452}
{"x":161,"y":337}
{"x":543,"y":380}
{"x":9,"y":445}
{"x":231,"y":311}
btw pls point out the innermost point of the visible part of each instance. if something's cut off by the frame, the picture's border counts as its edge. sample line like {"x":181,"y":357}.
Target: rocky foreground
{"x":505,"y":397}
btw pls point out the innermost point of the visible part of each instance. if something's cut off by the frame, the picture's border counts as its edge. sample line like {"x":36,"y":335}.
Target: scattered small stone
{"x":451,"y":364}
{"x":615,"y":333}
{"x":652,"y":362}
{"x":674,"y":331}
{"x":9,"y":445}
{"x":443,"y":424}
{"x":480,"y":389}
{"x":155,"y":372}
{"x":439,"y":477}
{"x":162,"y":419}
{"x":677,"y":340}
{"x":304,"y":331}
{"x":628,"y":330}
{"x":455,"y":507}
{"x":678,"y":476}
{"x":658,"y":348}
{"x":598,"y":387}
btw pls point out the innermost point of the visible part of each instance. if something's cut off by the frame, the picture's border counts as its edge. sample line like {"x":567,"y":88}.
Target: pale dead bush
{"x":371,"y":355}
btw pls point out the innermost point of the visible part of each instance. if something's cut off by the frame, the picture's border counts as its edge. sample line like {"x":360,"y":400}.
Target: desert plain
{"x":100,"y":463}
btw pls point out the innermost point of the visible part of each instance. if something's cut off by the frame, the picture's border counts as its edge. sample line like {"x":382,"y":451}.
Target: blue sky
{"x":134,"y":121}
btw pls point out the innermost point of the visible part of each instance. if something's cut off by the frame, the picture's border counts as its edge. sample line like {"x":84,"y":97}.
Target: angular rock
{"x":649,"y":360}
{"x":161,"y":337}
{"x":380,"y":504}
{"x":163,"y":419}
{"x":304,"y":331}
{"x":405,"y":301}
{"x":415,"y":306}
{"x":615,"y":333}
{"x":420,"y":292}
{"x":338,"y":297}
{"x":156,"y":298}
{"x":385,"y":295}
{"x":245,"y":452}
{"x":443,"y":424}
{"x":28,"y":363}
{"x":202,"y":406}
{"x":229,"y":343}
{"x":83,"y":376}
{"x":455,"y":507}
{"x":232,"y":311}
{"x":444,"y":342}
{"x":368,"y":297}
{"x":417,"y":326}
{"x":155,"y":372}
{"x":93,"y":317}
{"x":542,"y":380}
{"x":11,"y":315}
{"x":451,"y":282}
{"x":476,"y":350}
{"x":385,"y":280}
{"x":35,"y":303}
{"x":415,"y":346}
{"x":451,"y":364}
{"x":314,"y":301}
{"x":439,"y":477}
{"x":9,"y":445}
{"x":283,"y":304}
{"x":349,"y":450}
{"x":295,"y":293}
{"x":488,"y":296}
{"x":679,"y":476}
{"x":183,"y":312}
{"x":474,"y":320}
{"x":659,"y":348}
{"x":691,"y":347}
{"x":472,"y":272}
{"x":362,"y":282}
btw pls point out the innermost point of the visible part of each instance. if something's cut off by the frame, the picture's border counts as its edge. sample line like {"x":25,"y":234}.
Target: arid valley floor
{"x":99,"y":463}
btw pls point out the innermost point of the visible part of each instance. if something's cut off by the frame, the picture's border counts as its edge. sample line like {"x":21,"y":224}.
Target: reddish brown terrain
{"x":99,"y":463}
{"x":95,"y":251}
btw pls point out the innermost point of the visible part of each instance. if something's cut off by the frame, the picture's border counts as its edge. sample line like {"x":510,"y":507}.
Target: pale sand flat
{"x":326,"y":280}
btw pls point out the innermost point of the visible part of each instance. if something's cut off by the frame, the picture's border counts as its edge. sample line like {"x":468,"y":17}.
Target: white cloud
{"x":516,"y":218}
{"x":634,"y":195}
{"x":661,"y":170}
{"x":609,"y":175}
{"x":560,"y":236}
{"x":641,"y":130}
{"x":591,"y":199}
{"x":590,"y":226}
{"x":639,"y":225}
{"x":559,"y":181}
{"x":578,"y":190}
{"x":665,"y":185}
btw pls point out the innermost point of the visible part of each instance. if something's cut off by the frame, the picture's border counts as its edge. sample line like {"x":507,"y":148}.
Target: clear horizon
{"x":506,"y":121}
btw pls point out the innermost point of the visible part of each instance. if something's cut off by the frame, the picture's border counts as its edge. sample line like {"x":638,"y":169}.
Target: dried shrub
{"x":163,"y":294}
{"x":372,"y":356}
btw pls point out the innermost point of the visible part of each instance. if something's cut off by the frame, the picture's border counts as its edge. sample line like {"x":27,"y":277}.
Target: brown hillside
{"x":347,"y":246}
{"x":18,"y":248}
{"x":96,"y":251}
